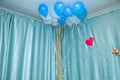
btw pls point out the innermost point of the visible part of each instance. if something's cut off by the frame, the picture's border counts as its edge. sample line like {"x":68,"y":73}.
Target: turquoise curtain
{"x":81,"y":62}
{"x":27,"y":49}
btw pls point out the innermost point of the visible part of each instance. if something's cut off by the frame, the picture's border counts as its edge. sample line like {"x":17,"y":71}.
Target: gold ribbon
{"x":59,"y":51}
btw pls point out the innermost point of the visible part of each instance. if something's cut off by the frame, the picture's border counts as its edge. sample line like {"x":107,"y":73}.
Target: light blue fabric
{"x":81,"y":62}
{"x":27,"y":49}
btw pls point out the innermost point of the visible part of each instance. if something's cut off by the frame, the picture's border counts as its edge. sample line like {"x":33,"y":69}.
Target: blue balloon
{"x":83,"y":14}
{"x":59,"y":7}
{"x":67,"y":11}
{"x":62,"y":20}
{"x":43,"y":10}
{"x":77,"y":6}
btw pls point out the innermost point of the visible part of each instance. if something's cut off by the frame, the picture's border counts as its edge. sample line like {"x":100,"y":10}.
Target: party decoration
{"x":63,"y":14}
{"x":82,"y":14}
{"x":59,"y":7}
{"x":47,"y":19}
{"x":77,"y":7}
{"x":62,"y":20}
{"x":43,"y":10}
{"x":89,"y":41}
{"x":54,"y":22}
{"x":69,"y":23}
{"x":53,"y":13}
{"x":73,"y":20}
{"x":67,"y":11}
{"x":116,"y":51}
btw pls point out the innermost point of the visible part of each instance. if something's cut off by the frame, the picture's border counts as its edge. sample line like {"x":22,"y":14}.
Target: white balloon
{"x":53,"y":19}
{"x":54,"y":23}
{"x":46,"y":19}
{"x":42,"y":17}
{"x":74,"y":19}
{"x":69,"y":23}
{"x":77,"y":21}
{"x":52,"y":12}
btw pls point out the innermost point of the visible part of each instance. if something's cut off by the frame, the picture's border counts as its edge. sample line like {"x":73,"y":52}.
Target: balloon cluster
{"x":65,"y":13}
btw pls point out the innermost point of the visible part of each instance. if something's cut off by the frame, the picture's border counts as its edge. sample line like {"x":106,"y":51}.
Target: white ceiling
{"x":30,"y":7}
